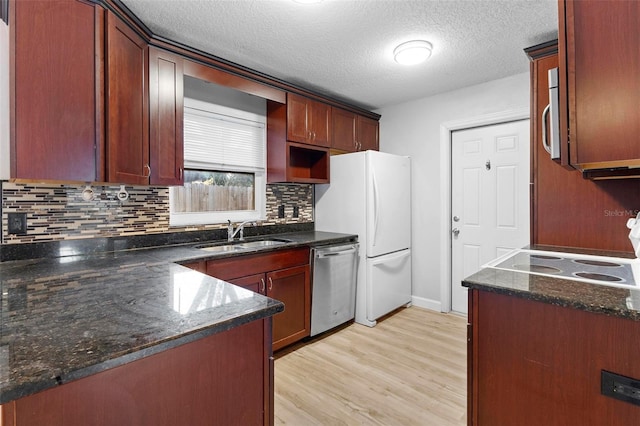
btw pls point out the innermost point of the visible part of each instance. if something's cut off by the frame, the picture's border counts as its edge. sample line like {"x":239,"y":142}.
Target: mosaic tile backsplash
{"x":59,"y":212}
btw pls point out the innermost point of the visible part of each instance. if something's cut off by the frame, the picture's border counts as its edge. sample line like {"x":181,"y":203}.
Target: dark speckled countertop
{"x":68,"y":317}
{"x":615,"y":301}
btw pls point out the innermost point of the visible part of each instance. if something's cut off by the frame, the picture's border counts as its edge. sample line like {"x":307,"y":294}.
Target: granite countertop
{"x":614,"y":301}
{"x":69,"y":317}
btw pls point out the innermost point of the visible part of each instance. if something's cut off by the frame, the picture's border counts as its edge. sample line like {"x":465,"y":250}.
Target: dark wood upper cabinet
{"x":308,"y":121}
{"x":368,"y":133}
{"x":166,"y":108}
{"x":599,"y":46}
{"x":343,"y":127}
{"x":55,"y":96}
{"x":114,"y":113}
{"x":353,"y":132}
{"x":566,"y":209}
{"x":292,"y":162}
{"x":127,"y":104}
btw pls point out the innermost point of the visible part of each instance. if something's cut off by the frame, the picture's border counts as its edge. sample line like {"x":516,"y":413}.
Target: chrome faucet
{"x":231,"y":233}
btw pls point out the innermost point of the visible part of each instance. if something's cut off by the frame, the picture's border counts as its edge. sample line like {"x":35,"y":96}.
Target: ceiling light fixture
{"x":412,"y":52}
{"x":307,"y":1}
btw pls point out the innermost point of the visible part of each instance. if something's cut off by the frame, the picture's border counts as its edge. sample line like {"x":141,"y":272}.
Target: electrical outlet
{"x":296,"y":211}
{"x":620,"y":387}
{"x":281,"y":211}
{"x":17,"y":223}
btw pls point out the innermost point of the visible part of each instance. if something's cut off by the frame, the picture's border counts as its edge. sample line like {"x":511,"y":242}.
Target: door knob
{"x":456,"y":218}
{"x":455,"y":232}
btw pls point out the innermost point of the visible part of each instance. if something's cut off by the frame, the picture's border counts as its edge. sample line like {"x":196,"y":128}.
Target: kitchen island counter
{"x":550,"y":350}
{"x":65,"y":318}
{"x":596,"y":298}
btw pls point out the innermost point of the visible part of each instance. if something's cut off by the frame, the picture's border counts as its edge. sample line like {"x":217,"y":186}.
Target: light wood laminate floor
{"x":410,"y":369}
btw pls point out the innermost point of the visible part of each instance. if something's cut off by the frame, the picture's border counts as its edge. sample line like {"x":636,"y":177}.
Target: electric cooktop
{"x":612,"y":271}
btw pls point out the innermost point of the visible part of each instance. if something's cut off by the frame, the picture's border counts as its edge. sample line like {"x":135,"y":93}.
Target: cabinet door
{"x":166,"y":117}
{"x":320,"y":129}
{"x":292,"y":287}
{"x":297,"y":125}
{"x":343,"y":129}
{"x":602,"y":45}
{"x":54,"y":121}
{"x":308,"y":121}
{"x":255,"y":283}
{"x":367,"y":134}
{"x":127,"y":105}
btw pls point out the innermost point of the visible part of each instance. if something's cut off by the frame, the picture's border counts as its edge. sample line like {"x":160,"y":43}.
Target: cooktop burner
{"x":612,"y":271}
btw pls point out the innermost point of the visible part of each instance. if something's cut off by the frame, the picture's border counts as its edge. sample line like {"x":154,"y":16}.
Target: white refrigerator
{"x":370,"y":195}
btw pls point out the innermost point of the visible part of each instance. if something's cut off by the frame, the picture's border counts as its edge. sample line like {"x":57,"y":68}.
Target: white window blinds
{"x":217,"y":138}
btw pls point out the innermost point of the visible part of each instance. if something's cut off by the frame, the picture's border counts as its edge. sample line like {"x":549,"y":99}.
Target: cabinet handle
{"x":180,"y":177}
{"x":262,"y":285}
{"x":270,"y":284}
{"x":545,"y":117}
{"x":148,"y":170}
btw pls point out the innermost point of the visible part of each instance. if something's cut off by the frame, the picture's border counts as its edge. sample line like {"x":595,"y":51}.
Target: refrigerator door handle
{"x":376,"y":208}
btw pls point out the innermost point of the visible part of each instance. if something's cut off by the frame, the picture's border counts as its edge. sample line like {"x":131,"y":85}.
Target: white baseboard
{"x":431,"y":304}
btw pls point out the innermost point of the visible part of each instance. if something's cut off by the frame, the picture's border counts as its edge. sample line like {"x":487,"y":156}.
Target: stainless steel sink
{"x":262,"y":243}
{"x":223,"y":248}
{"x":240,"y":246}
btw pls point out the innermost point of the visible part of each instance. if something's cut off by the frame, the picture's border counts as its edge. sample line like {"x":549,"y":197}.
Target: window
{"x":224,"y":159}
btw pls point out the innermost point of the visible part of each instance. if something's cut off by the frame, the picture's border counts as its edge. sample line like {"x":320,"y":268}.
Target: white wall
{"x":413,"y":129}
{"x":4,"y":100}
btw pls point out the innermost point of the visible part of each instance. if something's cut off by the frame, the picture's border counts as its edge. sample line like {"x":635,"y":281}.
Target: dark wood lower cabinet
{"x":291,"y":287}
{"x":283,"y":275}
{"x":533,"y":363}
{"x":223,"y":379}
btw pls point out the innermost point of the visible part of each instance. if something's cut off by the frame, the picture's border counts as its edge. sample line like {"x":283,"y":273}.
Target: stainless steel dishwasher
{"x":333,"y":294}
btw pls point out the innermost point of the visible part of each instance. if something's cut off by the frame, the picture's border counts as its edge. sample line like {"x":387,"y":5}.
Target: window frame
{"x":260,"y":178}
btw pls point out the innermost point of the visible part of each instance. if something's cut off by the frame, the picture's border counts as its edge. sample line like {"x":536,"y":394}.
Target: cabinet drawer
{"x":241,"y":266}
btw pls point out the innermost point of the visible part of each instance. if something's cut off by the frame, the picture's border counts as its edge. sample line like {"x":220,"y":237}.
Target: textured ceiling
{"x":343,"y":48}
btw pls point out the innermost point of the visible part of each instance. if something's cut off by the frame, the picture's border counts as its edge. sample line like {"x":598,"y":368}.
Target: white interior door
{"x":489,"y":198}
